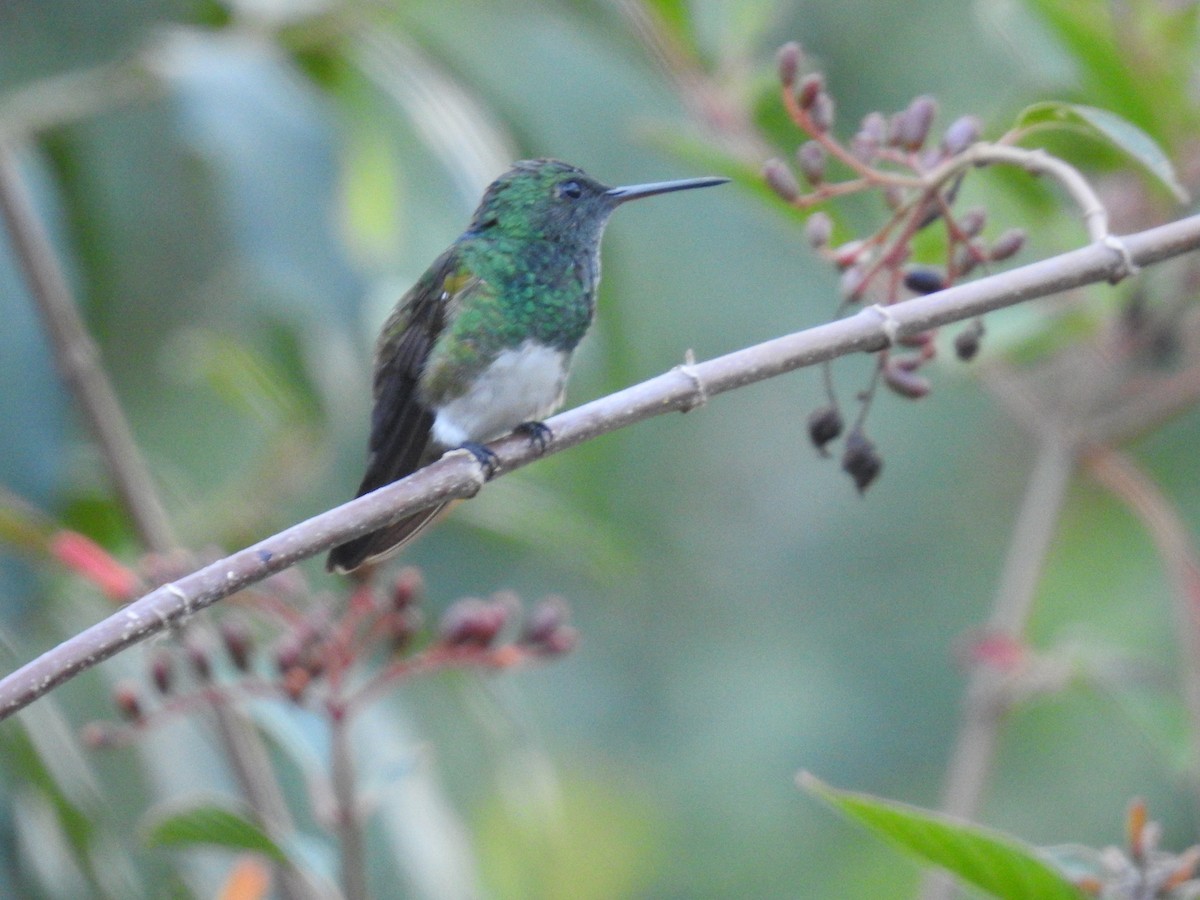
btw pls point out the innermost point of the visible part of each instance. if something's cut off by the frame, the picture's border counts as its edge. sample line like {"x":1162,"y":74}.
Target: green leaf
{"x":210,"y":824}
{"x":1136,"y":59}
{"x":989,"y":860}
{"x":1109,"y":127}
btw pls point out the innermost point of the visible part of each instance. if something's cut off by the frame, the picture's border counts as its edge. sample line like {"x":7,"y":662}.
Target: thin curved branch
{"x":78,"y":360}
{"x":1130,"y":484}
{"x":458,"y":475}
{"x":1036,"y":162}
{"x":989,"y":694}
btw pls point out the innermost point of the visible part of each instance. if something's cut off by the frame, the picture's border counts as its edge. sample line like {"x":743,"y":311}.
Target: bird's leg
{"x":539,"y":433}
{"x":486,"y":458}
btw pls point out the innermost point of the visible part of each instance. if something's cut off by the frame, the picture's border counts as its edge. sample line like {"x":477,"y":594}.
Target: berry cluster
{"x":335,"y":663}
{"x":919,"y":182}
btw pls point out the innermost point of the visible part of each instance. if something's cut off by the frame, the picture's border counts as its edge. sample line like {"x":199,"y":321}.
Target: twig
{"x":347,"y":820}
{"x":255,"y":777}
{"x":1121,"y":475}
{"x":1172,"y":394}
{"x":59,"y":100}
{"x":1036,"y":162}
{"x":78,"y":360}
{"x":458,"y":475}
{"x":987,"y":694}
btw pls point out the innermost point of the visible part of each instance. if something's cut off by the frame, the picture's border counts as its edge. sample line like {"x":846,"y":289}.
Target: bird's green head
{"x":544,"y":199}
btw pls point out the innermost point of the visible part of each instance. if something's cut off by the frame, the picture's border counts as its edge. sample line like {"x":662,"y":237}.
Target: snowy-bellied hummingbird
{"x":481,"y":344}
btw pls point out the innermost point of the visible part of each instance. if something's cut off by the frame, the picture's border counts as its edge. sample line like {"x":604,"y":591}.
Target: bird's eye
{"x":570,"y":189}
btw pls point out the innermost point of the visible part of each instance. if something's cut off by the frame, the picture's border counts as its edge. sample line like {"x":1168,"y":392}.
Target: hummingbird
{"x":480,"y":346}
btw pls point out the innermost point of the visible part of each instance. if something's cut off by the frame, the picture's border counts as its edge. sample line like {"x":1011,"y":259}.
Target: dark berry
{"x":860,"y":460}
{"x":924,"y":280}
{"x":824,"y":425}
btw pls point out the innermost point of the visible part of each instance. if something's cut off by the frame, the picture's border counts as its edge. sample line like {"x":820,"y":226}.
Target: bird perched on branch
{"x":481,"y":344}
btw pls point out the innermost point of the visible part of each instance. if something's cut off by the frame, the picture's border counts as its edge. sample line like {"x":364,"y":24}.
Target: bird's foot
{"x":539,"y":434}
{"x":487,"y":459}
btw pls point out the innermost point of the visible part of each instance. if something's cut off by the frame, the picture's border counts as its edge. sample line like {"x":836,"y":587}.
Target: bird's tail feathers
{"x":377,"y":545}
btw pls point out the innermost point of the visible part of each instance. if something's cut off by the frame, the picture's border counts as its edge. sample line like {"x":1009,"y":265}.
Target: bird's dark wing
{"x":400,"y":422}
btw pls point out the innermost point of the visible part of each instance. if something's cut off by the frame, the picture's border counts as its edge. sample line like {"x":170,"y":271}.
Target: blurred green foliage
{"x":237,"y":219}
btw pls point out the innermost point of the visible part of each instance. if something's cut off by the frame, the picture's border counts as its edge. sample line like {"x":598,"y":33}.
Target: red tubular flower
{"x":86,"y":558}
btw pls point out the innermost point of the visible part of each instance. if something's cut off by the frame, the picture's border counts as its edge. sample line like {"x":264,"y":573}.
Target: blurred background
{"x":238,"y":215}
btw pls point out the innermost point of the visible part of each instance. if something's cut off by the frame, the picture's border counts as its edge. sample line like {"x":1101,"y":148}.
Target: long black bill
{"x":635,"y":191}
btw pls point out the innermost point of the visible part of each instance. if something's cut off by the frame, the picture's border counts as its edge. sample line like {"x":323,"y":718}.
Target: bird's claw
{"x":487,"y":459}
{"x":539,"y":434}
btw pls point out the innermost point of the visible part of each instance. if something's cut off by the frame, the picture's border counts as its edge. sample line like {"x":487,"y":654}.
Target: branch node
{"x":688,"y":370}
{"x":890,"y":324}
{"x":1127,"y":266}
{"x":185,"y":601}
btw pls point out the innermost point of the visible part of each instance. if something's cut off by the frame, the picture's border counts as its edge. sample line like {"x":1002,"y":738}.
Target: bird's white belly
{"x":521,"y":385}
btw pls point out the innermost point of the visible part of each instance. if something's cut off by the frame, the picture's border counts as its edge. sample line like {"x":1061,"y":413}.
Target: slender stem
{"x":827,"y":191}
{"x":834,"y":148}
{"x":957,"y":237}
{"x":347,"y":821}
{"x":910,"y":216}
{"x":58,"y":100}
{"x":1121,"y":475}
{"x":827,"y":381}
{"x":1038,"y":162}
{"x":78,"y":360}
{"x":459,"y":475}
{"x":986,"y":699}
{"x":867,"y":396}
{"x":1173,"y":393}
{"x":255,"y":777}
